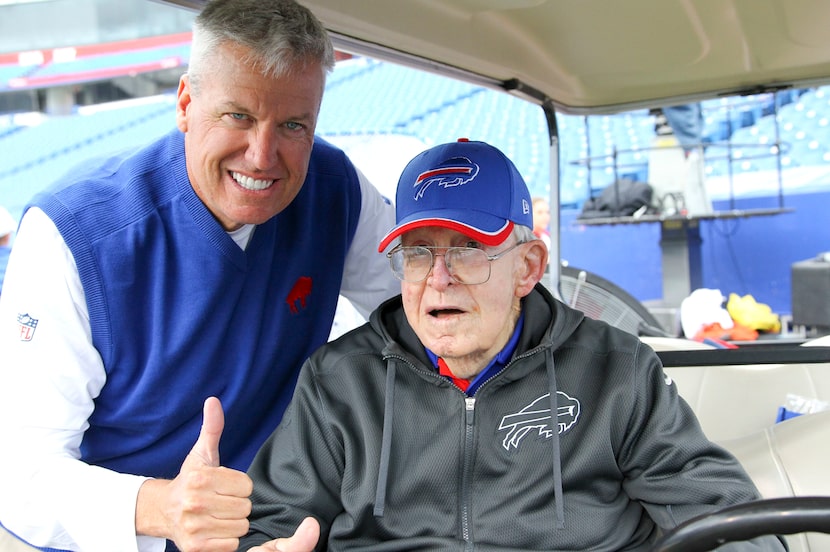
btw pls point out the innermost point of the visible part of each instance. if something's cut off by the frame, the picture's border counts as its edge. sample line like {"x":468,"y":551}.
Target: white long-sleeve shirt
{"x":48,"y":387}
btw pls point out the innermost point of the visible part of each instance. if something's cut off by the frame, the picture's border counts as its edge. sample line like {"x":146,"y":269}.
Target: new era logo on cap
{"x":470,"y":187}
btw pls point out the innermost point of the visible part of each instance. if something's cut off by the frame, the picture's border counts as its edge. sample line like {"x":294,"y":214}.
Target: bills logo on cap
{"x":485,"y":211}
{"x":452,"y":172}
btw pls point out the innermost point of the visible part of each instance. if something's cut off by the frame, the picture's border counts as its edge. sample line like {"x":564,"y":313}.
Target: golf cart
{"x":592,"y":57}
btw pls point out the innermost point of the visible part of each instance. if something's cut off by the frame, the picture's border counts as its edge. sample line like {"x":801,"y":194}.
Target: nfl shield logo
{"x":26,"y":326}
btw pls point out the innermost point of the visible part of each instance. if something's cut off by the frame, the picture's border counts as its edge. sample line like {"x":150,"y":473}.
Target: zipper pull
{"x":469,"y":407}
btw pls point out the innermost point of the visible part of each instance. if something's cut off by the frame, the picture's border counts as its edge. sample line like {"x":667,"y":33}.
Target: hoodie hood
{"x":548,"y":324}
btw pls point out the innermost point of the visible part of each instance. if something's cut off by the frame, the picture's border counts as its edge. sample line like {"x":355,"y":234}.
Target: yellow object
{"x":747,"y":312}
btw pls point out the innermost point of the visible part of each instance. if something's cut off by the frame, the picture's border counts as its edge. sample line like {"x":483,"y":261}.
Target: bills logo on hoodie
{"x":536,"y":418}
{"x":452,"y":172}
{"x":26,"y":326}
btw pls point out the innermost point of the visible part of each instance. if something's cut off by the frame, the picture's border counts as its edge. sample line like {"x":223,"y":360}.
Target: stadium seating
{"x":366,"y":98}
{"x":65,"y":141}
{"x":370,"y":97}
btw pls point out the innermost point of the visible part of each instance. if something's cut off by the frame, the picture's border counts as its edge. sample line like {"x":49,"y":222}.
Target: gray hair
{"x":280,"y":35}
{"x":523,"y":233}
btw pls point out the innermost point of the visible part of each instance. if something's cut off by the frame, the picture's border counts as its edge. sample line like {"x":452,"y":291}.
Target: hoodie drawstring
{"x":386,"y":439}
{"x":557,"y":456}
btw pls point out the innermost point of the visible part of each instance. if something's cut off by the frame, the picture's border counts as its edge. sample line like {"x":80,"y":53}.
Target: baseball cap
{"x":467,"y":186}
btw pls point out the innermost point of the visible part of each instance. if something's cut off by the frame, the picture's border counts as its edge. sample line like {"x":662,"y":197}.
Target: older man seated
{"x":475,"y":411}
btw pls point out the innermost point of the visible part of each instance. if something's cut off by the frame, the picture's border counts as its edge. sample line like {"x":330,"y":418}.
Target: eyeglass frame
{"x":431,"y":248}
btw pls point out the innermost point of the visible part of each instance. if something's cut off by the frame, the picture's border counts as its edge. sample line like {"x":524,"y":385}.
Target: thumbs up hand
{"x":206,"y":506}
{"x":206,"y":450}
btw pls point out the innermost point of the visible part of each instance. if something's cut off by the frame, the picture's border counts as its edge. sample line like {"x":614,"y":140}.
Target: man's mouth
{"x":251,"y":183}
{"x":444,"y":312}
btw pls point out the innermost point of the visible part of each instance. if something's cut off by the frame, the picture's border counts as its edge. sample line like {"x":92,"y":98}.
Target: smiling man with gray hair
{"x":164,"y":299}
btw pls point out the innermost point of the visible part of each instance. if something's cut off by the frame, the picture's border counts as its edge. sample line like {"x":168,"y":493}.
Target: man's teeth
{"x":251,"y":183}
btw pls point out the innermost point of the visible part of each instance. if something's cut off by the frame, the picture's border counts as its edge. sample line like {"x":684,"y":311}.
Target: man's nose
{"x":262,"y":148}
{"x":440,"y":274}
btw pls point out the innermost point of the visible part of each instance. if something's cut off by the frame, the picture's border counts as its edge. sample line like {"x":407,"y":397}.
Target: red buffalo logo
{"x":300,"y":291}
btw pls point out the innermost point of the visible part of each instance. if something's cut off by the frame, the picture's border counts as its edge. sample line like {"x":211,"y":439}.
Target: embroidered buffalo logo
{"x":452,"y":172}
{"x":26,"y":326}
{"x":536,"y":417}
{"x":300,"y":292}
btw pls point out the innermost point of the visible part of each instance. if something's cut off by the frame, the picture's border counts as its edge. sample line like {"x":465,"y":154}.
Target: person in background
{"x":541,"y":220}
{"x":163,"y":300}
{"x":686,"y":122}
{"x":474,"y":410}
{"x":7,"y":227}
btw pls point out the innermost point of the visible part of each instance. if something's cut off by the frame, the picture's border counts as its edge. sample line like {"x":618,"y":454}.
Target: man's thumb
{"x":213,"y":422}
{"x":305,"y":538}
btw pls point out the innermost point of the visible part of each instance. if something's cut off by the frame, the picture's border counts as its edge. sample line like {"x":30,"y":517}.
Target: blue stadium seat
{"x":434,"y":108}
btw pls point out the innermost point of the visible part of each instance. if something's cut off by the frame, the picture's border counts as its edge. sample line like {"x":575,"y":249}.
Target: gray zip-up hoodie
{"x":388,"y":455}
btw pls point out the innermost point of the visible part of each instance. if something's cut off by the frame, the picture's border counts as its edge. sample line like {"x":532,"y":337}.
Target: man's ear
{"x":183,"y":97}
{"x":532,"y":269}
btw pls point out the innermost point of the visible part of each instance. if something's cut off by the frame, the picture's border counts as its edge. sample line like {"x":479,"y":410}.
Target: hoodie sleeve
{"x":668,"y":463}
{"x":297,"y":472}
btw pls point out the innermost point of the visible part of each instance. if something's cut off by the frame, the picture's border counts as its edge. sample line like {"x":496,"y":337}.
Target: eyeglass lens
{"x":466,"y":265}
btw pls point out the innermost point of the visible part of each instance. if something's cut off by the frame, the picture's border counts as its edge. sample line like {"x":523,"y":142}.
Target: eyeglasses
{"x":466,"y":265}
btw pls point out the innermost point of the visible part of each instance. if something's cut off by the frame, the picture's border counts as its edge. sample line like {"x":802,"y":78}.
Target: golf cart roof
{"x":594,"y":56}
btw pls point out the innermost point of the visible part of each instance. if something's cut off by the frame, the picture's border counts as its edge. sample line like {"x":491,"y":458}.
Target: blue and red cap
{"x":470,"y":187}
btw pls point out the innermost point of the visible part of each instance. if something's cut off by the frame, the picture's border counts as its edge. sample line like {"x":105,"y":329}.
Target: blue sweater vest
{"x":179,"y":312}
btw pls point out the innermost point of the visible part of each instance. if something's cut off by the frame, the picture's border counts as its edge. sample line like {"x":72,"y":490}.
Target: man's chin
{"x":252,"y":215}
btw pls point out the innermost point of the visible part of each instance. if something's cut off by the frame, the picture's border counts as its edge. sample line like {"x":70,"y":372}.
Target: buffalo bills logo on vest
{"x":452,"y":172}
{"x":536,"y":416}
{"x":300,"y":292}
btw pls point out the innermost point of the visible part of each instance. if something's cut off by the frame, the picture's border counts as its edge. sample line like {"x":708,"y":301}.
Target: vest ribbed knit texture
{"x":179,"y":312}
